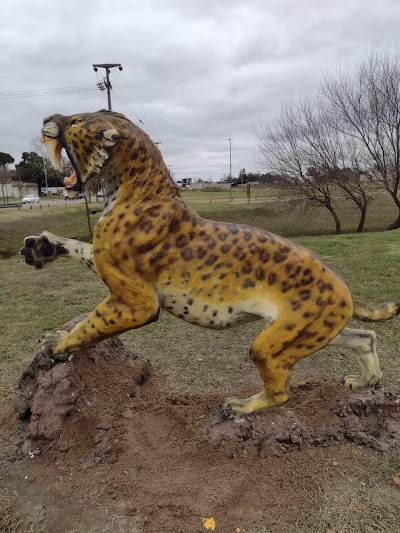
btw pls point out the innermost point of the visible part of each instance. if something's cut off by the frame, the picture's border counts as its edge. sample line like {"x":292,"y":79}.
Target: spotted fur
{"x":154,"y":251}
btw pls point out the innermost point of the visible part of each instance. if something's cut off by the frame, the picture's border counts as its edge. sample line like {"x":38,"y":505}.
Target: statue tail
{"x":377,"y":312}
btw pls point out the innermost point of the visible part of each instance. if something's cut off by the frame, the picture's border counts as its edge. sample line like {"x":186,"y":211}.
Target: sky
{"x":195,"y":72}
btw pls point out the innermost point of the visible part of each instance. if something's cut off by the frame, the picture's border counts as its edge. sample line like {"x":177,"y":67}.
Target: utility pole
{"x":230,"y":157}
{"x":230,"y":168}
{"x":106,"y":84}
{"x":45,"y":176}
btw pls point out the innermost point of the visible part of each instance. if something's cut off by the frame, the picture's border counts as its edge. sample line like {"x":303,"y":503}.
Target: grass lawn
{"x":193,"y":359}
{"x":35,"y":301}
{"x":273,"y":211}
{"x":68,"y":220}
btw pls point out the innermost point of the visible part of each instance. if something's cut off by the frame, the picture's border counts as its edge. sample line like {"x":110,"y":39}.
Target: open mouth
{"x":54,"y":148}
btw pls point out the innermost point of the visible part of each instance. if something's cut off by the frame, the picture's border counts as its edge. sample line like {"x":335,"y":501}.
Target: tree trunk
{"x":338,"y":227}
{"x":395,"y":224}
{"x":361,"y":223}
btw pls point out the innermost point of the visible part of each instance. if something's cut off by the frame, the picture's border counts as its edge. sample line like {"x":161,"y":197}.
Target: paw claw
{"x":30,"y":242}
{"x":232,"y":406}
{"x":50,"y":342}
{"x":353,"y":383}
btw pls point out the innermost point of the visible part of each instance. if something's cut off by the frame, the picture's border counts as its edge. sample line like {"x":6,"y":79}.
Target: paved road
{"x":51,"y":203}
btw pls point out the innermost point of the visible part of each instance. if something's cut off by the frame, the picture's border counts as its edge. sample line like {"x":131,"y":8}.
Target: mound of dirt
{"x":172,"y":460}
{"x":96,"y":385}
{"x":319,"y":412}
{"x":83,"y":394}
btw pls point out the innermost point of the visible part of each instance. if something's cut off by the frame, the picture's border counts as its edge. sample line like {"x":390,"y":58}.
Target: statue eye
{"x":75,"y":121}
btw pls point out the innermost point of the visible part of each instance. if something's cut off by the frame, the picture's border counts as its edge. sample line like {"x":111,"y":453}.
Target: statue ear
{"x":110,"y":137}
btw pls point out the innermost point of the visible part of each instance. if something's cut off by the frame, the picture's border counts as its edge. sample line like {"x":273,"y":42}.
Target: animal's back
{"x":218,"y":275}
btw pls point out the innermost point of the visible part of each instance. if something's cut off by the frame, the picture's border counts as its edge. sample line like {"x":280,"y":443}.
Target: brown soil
{"x":94,"y":442}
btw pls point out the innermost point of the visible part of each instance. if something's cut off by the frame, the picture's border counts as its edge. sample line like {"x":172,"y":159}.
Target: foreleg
{"x":111,"y":317}
{"x":46,"y":248}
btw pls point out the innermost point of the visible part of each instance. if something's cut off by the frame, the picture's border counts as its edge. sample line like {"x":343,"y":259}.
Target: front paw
{"x":42,"y":249}
{"x":51,"y":345}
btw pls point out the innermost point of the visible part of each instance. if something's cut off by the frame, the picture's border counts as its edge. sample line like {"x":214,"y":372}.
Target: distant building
{"x":11,"y":187}
{"x":186,"y":183}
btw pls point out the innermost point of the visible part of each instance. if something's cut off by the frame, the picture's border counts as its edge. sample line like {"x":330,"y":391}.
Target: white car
{"x":30,"y":199}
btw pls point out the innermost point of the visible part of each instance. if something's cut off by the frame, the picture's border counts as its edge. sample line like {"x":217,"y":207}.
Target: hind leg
{"x":276,"y":375}
{"x":363,"y":343}
{"x":278,"y":347}
{"x":274,"y":355}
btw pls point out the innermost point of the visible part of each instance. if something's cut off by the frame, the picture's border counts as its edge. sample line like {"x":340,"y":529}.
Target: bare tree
{"x":364,"y":105}
{"x":38,"y":147}
{"x":316,"y":159}
{"x":334,"y":154}
{"x":284,"y":149}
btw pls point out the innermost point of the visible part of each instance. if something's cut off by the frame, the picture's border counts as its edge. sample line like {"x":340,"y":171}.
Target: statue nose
{"x":50,"y":129}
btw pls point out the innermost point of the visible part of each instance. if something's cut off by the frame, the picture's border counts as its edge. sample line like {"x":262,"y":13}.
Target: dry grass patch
{"x":34,"y":302}
{"x":9,"y":523}
{"x":351,"y":506}
{"x":69,"y":220}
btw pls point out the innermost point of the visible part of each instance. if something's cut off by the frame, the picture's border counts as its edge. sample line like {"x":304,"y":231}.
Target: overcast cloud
{"x":195,"y":71}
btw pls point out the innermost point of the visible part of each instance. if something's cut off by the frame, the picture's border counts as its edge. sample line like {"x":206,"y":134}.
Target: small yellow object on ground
{"x":209,"y":523}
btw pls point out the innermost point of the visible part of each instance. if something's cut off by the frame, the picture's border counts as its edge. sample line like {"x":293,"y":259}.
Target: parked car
{"x":46,"y":191}
{"x":100,"y":194}
{"x":74,"y":197}
{"x":30,"y":199}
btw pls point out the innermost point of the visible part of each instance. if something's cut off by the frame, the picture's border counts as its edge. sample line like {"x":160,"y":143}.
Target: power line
{"x":45,"y":92}
{"x":133,"y":92}
{"x":41,"y":90}
{"x":173,"y":154}
{"x":126,"y":104}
